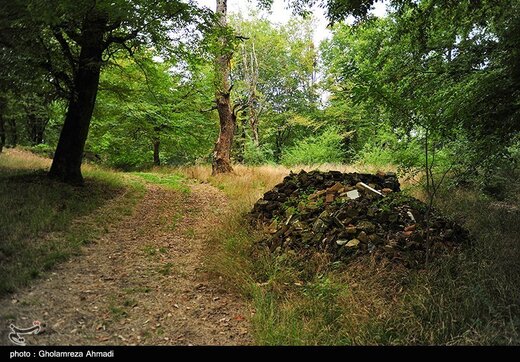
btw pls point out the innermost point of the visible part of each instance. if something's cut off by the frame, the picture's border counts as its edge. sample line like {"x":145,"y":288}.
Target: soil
{"x":142,"y":283}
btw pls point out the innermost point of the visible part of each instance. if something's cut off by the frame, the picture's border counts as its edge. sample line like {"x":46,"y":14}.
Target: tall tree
{"x":227,"y":118}
{"x":84,"y":34}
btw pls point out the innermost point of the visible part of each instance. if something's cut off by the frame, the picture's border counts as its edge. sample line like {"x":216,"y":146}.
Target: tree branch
{"x":121,"y":39}
{"x":72,"y":34}
{"x":65,"y":48}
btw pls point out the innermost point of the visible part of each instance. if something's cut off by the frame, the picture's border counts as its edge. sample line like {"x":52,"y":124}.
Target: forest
{"x":262,"y":172}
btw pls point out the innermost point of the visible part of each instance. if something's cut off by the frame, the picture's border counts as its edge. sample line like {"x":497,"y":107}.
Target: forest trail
{"x":142,"y":283}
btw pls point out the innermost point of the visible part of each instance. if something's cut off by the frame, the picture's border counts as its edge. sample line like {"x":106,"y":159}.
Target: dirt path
{"x":142,"y":283}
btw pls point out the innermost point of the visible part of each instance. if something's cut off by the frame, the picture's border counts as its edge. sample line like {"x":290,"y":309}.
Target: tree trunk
{"x":66,"y":165}
{"x":253,"y":120}
{"x":156,"y":156}
{"x":2,"y":133}
{"x":253,"y":99}
{"x":243,"y":141}
{"x":2,"y":123}
{"x":13,"y":133}
{"x":222,"y":152}
{"x":36,"y":129}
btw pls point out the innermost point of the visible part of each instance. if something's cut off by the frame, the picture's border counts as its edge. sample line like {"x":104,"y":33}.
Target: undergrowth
{"x":468,"y":298}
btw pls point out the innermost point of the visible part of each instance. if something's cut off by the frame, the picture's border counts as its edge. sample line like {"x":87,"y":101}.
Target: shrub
{"x":324,"y":148}
{"x":257,"y":155}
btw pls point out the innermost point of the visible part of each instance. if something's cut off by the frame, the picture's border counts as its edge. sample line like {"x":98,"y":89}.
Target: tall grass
{"x":469,"y":298}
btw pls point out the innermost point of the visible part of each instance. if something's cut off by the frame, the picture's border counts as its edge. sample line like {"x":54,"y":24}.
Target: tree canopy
{"x":432,"y":75}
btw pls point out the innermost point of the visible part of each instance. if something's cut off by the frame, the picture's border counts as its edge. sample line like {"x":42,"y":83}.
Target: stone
{"x":335,"y":188}
{"x":337,"y":222}
{"x":271,"y":195}
{"x":317,"y":194}
{"x":410,"y":227}
{"x":393,"y":218}
{"x":369,"y":188}
{"x":347,"y":221}
{"x":366,"y":226}
{"x":352,"y":212}
{"x":261,"y":203}
{"x":331,"y":222}
{"x":324,"y":215}
{"x":329,"y":198}
{"x":354,"y":194}
{"x":352,"y":243}
{"x":273,"y":205}
{"x":319,"y":226}
{"x":351,"y":230}
{"x":312,"y":205}
{"x":375,"y":239}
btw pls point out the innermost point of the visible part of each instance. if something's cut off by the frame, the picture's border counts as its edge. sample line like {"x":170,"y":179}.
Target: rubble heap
{"x":351,"y":214}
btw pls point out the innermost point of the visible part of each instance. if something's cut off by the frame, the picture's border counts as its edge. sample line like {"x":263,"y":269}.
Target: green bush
{"x":43,"y":149}
{"x":257,"y":155}
{"x":405,"y":154}
{"x":126,"y":159}
{"x":324,"y":148}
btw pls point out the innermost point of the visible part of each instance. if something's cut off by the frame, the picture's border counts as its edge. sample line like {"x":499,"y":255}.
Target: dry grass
{"x":15,"y":160}
{"x":248,"y":183}
{"x":470,"y":298}
{"x":44,"y":222}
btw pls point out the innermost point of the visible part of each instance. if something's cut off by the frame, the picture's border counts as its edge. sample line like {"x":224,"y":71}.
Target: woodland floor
{"x":143,"y":282}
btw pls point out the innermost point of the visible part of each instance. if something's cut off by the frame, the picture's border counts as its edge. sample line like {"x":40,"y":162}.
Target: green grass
{"x":45,"y":222}
{"x":172,"y":180}
{"x":468,"y":298}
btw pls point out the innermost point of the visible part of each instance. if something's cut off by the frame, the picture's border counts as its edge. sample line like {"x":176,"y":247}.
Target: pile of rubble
{"x":351,"y":214}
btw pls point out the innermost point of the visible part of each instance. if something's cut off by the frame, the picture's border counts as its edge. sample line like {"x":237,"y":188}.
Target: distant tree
{"x":274,"y":79}
{"x":149,"y":112}
{"x":2,"y":124}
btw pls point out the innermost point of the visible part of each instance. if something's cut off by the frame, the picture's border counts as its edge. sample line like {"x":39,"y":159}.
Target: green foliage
{"x":257,"y":155}
{"x":437,"y":75}
{"x":323,"y":148}
{"x":142,"y":102}
{"x":387,"y":148}
{"x":42,"y":150}
{"x":275,"y":77}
